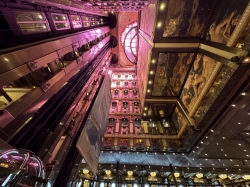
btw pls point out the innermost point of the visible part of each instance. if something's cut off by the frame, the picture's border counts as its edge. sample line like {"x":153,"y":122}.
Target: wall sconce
{"x":85,"y":171}
{"x":108,"y":172}
{"x":130,"y":173}
{"x":153,"y":174}
{"x":177,"y":175}
{"x":199,"y":175}
{"x":223,"y":176}
{"x":246,"y":177}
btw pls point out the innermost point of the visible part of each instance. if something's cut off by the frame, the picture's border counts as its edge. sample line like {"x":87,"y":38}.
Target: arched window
{"x":129,"y":41}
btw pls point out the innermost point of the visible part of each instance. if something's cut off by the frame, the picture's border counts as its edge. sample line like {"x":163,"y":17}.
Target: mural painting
{"x":198,"y":76}
{"x":178,"y":119}
{"x":223,"y":23}
{"x":187,"y":17}
{"x":171,"y":71}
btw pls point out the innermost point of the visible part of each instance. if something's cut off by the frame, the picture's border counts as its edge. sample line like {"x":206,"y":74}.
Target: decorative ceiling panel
{"x":187,"y":18}
{"x":171,"y":71}
{"x":199,"y":78}
{"x":158,"y":111}
{"x":222,"y":23}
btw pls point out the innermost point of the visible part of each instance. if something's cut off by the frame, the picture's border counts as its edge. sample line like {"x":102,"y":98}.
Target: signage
{"x":89,"y":142}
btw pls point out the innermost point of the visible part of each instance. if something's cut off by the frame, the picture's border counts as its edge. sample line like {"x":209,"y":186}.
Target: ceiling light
{"x":223,"y":176}
{"x":152,"y":72}
{"x":85,"y":171}
{"x":221,"y":149}
{"x":159,"y":24}
{"x":162,"y":6}
{"x":245,"y":150}
{"x":193,"y":151}
{"x":149,"y":82}
{"x":217,"y":143}
{"x":239,"y":123}
{"x":243,"y":93}
{"x":145,"y":108}
{"x":233,"y":105}
{"x":247,"y":133}
{"x":225,"y":154}
{"x":239,"y":144}
{"x":206,"y":154}
{"x":130,"y":173}
{"x":246,"y":177}
{"x":206,"y":136}
{"x":223,"y":138}
{"x":108,"y":172}
{"x":212,"y":130}
{"x":247,"y":155}
{"x":153,"y":61}
{"x":177,"y":175}
{"x":148,"y":90}
{"x":197,"y":147}
{"x":201,"y":142}
{"x":199,"y":175}
{"x":153,"y":174}
{"x":231,"y":160}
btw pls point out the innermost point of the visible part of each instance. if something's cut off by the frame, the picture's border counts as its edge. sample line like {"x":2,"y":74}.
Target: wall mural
{"x":187,"y":17}
{"x":223,"y":23}
{"x":178,"y":119}
{"x":198,"y":76}
{"x":171,"y":71}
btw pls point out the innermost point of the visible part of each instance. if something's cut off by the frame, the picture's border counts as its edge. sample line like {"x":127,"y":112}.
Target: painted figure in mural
{"x":197,"y":79}
{"x":174,"y":17}
{"x":221,"y":32}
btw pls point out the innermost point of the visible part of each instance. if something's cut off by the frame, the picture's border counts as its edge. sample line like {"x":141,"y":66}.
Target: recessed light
{"x":245,"y":150}
{"x":223,"y":138}
{"x":197,"y":147}
{"x":162,"y":6}
{"x":217,"y":143}
{"x":221,"y":149}
{"x":152,"y":72}
{"x":226,"y":169}
{"x":205,"y":159}
{"x":206,"y":136}
{"x":193,"y":151}
{"x":149,"y":82}
{"x":153,"y":61}
{"x":219,"y":159}
{"x":212,"y":130}
{"x":233,"y":105}
{"x":231,"y":160}
{"x":239,"y":123}
{"x":247,"y":155}
{"x":213,"y":164}
{"x":201,"y":142}
{"x":247,"y":133}
{"x":159,"y":24}
{"x":206,"y":154}
{"x":243,"y":93}
{"x":225,"y":154}
{"x":239,"y":144}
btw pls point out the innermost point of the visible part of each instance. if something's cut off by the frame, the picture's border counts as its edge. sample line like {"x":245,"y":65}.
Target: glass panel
{"x":33,"y":27}
{"x":62,"y":25}
{"x":59,"y":17}
{"x":29,"y":16}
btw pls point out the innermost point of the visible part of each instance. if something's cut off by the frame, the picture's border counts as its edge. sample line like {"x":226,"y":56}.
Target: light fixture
{"x":153,"y":61}
{"x":223,"y":176}
{"x":85,"y":171}
{"x":199,"y":175}
{"x":159,"y":24}
{"x":223,"y":138}
{"x":243,"y":93}
{"x":130,"y":173}
{"x":212,"y":130}
{"x":108,"y":172}
{"x":239,"y":144}
{"x":162,"y":6}
{"x":233,"y":105}
{"x":148,"y":90}
{"x":246,"y":177}
{"x":152,"y":72}
{"x":152,"y":174}
{"x":149,"y":82}
{"x":177,"y":175}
